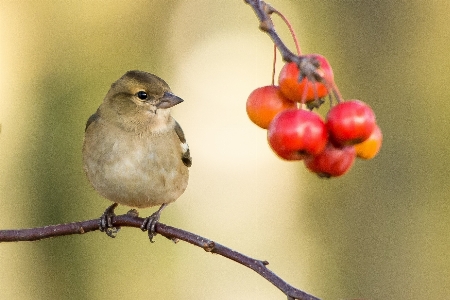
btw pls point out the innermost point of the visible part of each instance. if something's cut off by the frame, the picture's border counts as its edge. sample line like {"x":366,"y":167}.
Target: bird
{"x":134,"y":152}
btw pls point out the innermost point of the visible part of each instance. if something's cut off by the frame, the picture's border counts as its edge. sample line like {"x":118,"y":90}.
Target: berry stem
{"x":274,"y":63}
{"x":337,"y":94}
{"x":288,"y":24}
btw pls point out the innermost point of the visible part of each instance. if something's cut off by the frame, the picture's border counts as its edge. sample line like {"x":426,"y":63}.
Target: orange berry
{"x":265,"y":103}
{"x":370,"y":147}
{"x":295,"y":90}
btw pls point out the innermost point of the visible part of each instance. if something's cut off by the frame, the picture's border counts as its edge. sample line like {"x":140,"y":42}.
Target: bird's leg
{"x":105,"y":223}
{"x":150,"y":222}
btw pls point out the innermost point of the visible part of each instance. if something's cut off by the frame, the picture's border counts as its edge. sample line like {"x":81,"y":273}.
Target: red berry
{"x":264,"y":103}
{"x":350,"y":122}
{"x":296,"y":133}
{"x":295,"y":90}
{"x":370,"y":147}
{"x":332,"y":162}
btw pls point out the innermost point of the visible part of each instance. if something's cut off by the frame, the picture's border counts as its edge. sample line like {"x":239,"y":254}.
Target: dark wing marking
{"x":91,"y":119}
{"x":186,"y":156}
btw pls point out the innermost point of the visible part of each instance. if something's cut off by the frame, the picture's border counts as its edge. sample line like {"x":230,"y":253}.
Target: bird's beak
{"x":168,"y":100}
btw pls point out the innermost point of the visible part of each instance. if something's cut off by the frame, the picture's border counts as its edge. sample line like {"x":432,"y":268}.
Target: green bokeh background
{"x":379,"y":232}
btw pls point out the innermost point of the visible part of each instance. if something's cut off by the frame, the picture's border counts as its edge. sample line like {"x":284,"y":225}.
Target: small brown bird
{"x":134,"y":152}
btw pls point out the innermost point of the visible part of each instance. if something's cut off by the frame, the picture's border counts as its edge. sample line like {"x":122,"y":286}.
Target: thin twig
{"x":307,"y":66}
{"x":128,"y":220}
{"x":263,"y":11}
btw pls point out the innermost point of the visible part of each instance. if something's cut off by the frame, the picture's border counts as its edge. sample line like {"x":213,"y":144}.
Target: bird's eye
{"x":142,"y":95}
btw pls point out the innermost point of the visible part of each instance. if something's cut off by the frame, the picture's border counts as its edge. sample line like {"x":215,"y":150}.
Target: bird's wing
{"x":186,"y":156}
{"x":91,"y":119}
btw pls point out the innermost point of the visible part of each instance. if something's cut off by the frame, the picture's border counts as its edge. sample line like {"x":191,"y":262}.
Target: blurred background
{"x":382,"y":231}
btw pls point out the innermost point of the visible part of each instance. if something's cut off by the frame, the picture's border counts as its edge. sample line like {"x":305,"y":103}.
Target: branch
{"x":175,"y":234}
{"x":263,"y":11}
{"x":307,"y":66}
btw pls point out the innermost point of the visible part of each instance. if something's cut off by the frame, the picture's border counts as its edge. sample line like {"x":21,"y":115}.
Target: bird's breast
{"x":138,"y":170}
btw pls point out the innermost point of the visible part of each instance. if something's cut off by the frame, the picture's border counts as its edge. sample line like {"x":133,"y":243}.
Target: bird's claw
{"x":149,"y":223}
{"x":105,"y":222}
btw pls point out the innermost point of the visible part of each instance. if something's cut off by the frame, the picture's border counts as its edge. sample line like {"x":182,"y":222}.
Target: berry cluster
{"x":296,"y":132}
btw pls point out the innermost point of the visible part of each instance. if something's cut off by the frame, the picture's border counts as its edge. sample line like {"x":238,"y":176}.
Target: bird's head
{"x":139,"y":98}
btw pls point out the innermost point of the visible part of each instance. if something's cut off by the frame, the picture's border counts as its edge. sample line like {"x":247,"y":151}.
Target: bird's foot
{"x":105,"y":223}
{"x":149,"y":223}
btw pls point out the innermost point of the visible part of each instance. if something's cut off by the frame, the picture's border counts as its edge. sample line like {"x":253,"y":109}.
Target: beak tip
{"x":169,"y":100}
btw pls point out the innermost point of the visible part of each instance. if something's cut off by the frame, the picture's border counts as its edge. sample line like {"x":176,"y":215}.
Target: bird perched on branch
{"x":134,"y":152}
